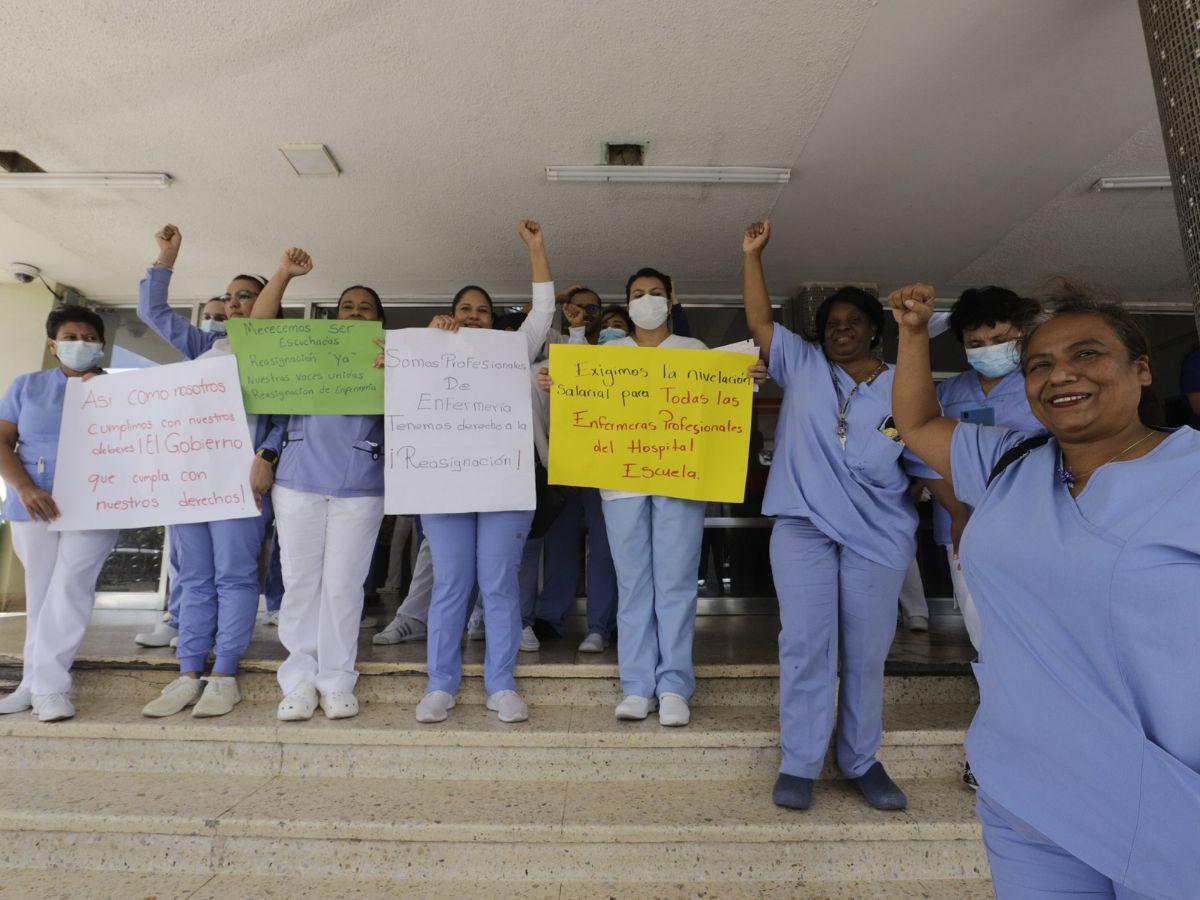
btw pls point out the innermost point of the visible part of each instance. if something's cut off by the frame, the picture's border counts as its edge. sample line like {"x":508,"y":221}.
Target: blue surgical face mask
{"x":610,"y":334}
{"x":212,"y":326}
{"x":82,"y":356}
{"x":995,"y":361}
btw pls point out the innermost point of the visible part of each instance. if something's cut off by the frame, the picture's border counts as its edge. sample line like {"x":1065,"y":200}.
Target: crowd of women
{"x":1066,"y":519}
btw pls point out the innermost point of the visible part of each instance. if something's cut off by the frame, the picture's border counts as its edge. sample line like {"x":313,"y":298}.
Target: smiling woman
{"x":1085,"y":748}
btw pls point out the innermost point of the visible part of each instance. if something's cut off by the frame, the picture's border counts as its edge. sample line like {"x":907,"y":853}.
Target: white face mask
{"x":648,"y":311}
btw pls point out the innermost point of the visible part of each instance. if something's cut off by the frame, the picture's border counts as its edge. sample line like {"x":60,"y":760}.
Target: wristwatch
{"x":269,"y":455}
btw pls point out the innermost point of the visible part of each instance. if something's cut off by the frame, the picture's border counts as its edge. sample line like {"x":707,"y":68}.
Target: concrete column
{"x":1172,"y":30}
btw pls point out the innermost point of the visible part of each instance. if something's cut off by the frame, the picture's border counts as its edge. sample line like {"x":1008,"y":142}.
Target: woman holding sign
{"x":328,"y":499}
{"x":483,"y":548}
{"x":1083,"y":555}
{"x":844,"y":536}
{"x":218,"y":561}
{"x":61,"y":567}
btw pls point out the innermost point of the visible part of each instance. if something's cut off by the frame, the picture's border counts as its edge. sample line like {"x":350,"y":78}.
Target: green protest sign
{"x":308,"y":366}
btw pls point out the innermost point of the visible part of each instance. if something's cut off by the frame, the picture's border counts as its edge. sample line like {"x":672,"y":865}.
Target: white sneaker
{"x":634,"y":708}
{"x":339,"y":705}
{"x":475,"y":626}
{"x":18,"y":701}
{"x":220,"y":696}
{"x":918,"y":624}
{"x":53,"y":707}
{"x":175,"y":642}
{"x":369,"y":622}
{"x":509,"y":706}
{"x":299,"y":704}
{"x":529,"y":641}
{"x":175,"y":697}
{"x":434,"y":706}
{"x":271,"y":618}
{"x":401,"y":630}
{"x":673,"y":711}
{"x":160,"y":637}
{"x":593,"y":643}
{"x":166,"y":616}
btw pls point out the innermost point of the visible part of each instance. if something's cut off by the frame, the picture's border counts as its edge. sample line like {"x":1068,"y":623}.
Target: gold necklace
{"x":1070,"y":479}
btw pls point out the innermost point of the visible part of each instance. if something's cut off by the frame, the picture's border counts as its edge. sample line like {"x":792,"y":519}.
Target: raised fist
{"x":169,"y":238}
{"x":912,"y":306}
{"x":756,"y":237}
{"x":531,"y":233}
{"x":295,"y":262}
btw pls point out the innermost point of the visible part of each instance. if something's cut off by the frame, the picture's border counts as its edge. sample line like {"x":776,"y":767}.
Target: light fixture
{"x":310,"y":159}
{"x":671,"y":174}
{"x":84,"y":180}
{"x":1133,"y":183}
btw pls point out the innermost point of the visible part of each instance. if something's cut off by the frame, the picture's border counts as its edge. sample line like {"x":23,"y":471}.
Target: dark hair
{"x":371,"y":291}
{"x":582,"y":289}
{"x":472,"y":287}
{"x":615,"y":309}
{"x":257,"y":279}
{"x":866,"y":303}
{"x":1069,"y":298}
{"x":509,"y":321}
{"x":647,"y":272}
{"x":70,"y":313}
{"x":989,"y":306}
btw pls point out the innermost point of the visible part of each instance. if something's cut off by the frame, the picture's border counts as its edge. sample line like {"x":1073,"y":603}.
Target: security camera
{"x":24,"y":272}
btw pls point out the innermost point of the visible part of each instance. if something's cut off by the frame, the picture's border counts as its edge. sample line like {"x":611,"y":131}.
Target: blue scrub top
{"x":339,"y":456}
{"x":857,"y":497}
{"x":1006,"y":405}
{"x":1089,"y":721}
{"x":34,"y":403}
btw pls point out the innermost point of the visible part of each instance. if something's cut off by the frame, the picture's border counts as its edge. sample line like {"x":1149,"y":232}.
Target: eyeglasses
{"x":240,"y":296}
{"x":592,"y":308}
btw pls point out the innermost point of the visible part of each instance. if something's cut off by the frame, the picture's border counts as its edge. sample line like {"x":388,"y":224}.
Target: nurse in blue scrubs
{"x":482,"y":548}
{"x":843,"y":538}
{"x":986,"y":322}
{"x":1083,"y":556}
{"x":328,"y":498}
{"x":218,"y":561}
{"x":61,"y":567}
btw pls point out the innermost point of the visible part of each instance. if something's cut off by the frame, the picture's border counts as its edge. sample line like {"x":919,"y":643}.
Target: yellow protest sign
{"x":654,"y":421}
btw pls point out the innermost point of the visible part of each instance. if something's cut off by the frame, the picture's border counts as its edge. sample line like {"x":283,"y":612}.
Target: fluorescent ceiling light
{"x":310,"y":159}
{"x":676,"y":174}
{"x":1132,"y":182}
{"x":84,"y":180}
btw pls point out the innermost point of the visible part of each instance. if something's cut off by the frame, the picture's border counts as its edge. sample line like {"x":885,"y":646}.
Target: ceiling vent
{"x":624,"y":154}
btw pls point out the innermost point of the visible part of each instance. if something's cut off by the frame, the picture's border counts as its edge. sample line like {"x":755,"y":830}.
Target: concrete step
{"x":540,"y":685}
{"x":536,"y":831}
{"x":31,"y":884}
{"x":577,"y":743}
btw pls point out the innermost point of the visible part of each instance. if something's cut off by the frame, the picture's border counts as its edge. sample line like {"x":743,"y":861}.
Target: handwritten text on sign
{"x":653,"y":421}
{"x":161,"y":446}
{"x":308,"y":366}
{"x":458,"y":429}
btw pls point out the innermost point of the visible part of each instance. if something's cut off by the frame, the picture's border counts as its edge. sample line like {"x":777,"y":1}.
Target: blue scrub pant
{"x":655,"y":545}
{"x":218,"y":581}
{"x":527,"y":579}
{"x":562,"y":545}
{"x":173,"y":592}
{"x":1027,"y":865}
{"x":273,"y":577}
{"x":470,"y":547}
{"x":830,"y":597}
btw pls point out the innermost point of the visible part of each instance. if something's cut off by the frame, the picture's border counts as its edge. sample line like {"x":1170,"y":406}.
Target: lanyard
{"x":844,"y":401}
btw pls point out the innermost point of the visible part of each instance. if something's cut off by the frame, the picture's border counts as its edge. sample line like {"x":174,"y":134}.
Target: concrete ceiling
{"x":933,"y":139}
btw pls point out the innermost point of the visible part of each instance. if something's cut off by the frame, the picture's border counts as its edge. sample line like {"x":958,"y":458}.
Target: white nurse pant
{"x":420,"y":589}
{"x":963,"y":599}
{"x":61,"y":568}
{"x":912,"y":593}
{"x":326,"y":544}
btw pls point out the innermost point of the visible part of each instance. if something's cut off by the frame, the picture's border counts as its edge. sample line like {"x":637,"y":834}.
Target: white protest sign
{"x":458,"y":422}
{"x":161,"y":446}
